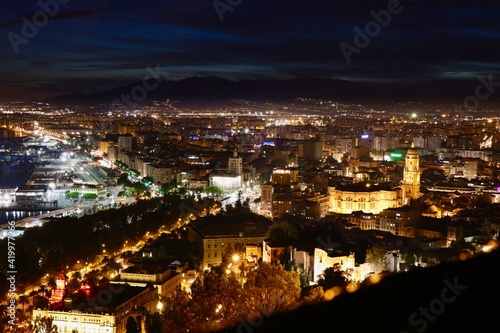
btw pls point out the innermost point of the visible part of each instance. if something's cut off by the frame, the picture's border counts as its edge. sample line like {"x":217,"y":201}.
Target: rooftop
{"x":247,"y":225}
{"x":364,"y":187}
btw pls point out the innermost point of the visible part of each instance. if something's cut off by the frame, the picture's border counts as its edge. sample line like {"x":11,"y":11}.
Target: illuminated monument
{"x":411,"y":176}
{"x":60,"y":291}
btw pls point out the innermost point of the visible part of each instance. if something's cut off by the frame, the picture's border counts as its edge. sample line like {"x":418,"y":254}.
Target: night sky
{"x":91,"y":45}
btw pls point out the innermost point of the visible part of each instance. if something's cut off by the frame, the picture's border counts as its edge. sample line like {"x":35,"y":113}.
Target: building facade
{"x":364,"y":196}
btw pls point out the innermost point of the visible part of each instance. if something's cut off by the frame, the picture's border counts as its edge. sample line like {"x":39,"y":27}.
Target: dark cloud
{"x":104,"y":41}
{"x":60,"y":16}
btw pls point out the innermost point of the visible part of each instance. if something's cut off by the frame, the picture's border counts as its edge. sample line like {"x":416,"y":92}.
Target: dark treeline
{"x":62,"y":242}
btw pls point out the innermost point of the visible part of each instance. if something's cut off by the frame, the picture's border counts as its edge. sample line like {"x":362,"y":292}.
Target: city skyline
{"x":415,"y":46}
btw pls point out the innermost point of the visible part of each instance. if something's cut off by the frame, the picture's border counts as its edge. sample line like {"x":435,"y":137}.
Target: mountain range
{"x":214,"y":90}
{"x":218,"y":90}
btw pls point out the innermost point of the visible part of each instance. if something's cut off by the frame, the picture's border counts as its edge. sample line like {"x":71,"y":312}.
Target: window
{"x":215,"y":255}
{"x":215,"y":245}
{"x":208,"y":245}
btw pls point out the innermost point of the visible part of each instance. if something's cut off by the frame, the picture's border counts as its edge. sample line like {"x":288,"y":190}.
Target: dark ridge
{"x":395,"y":304}
{"x":214,"y":89}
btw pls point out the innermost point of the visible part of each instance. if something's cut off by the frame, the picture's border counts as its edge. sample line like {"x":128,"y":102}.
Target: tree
{"x":72,"y":195}
{"x":90,"y":196}
{"x":216,"y":297}
{"x":270,"y":288}
{"x":213,"y":191}
{"x":23,"y":300}
{"x":153,"y":323}
{"x":131,"y":325}
{"x":376,"y":257}
{"x":147,"y":181}
{"x":332,"y":277}
{"x":123,"y":180}
{"x":313,"y":295}
{"x":168,"y":187}
{"x":44,"y":325}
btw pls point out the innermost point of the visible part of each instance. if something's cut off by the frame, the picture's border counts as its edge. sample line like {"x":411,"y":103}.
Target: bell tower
{"x":411,"y":175}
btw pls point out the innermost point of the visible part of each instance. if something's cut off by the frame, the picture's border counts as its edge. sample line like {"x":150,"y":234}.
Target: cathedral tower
{"x":411,"y":176}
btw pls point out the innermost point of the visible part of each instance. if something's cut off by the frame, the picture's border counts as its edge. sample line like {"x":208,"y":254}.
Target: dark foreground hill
{"x":454,"y":297}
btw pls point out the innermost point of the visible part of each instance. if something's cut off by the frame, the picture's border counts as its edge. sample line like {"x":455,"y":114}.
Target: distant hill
{"x":215,"y":90}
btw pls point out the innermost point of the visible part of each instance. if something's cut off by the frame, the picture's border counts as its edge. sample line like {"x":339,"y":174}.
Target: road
{"x":34,"y":221}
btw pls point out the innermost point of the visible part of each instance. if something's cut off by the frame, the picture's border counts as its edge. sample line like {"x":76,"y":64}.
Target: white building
{"x":226,"y":182}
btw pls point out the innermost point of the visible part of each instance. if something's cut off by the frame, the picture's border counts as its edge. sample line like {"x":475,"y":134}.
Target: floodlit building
{"x":324,"y":260}
{"x":365,"y":221}
{"x":399,"y":221}
{"x":364,"y":196}
{"x":94,"y":189}
{"x":226,"y":182}
{"x":216,"y":234}
{"x":32,"y":193}
{"x":165,"y":279}
{"x":411,"y":176}
{"x":102,"y":308}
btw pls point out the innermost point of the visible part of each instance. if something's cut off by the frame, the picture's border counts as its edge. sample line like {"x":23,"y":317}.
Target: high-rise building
{"x":235,"y":164}
{"x":411,"y":175}
{"x":127,"y":142}
{"x":283,"y":181}
{"x":266,"y":196}
{"x":313,"y":150}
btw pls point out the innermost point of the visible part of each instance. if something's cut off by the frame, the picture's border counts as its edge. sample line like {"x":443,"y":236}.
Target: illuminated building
{"x":32,"y":193}
{"x":235,"y":167}
{"x":141,"y":164}
{"x":215,"y":234}
{"x":399,"y":221}
{"x":165,"y":279}
{"x":235,"y":164}
{"x":284,"y":177}
{"x":266,"y":196}
{"x":411,"y":176}
{"x":113,"y":153}
{"x":161,"y":173}
{"x":274,"y":252}
{"x":127,"y":142}
{"x":313,"y":207}
{"x":104,"y":145}
{"x":364,"y":221}
{"x":471,"y":167}
{"x":285,"y":183}
{"x":226,"y":182}
{"x":324,"y":260}
{"x":102,"y":308}
{"x":364,"y":196}
{"x":95,"y":189}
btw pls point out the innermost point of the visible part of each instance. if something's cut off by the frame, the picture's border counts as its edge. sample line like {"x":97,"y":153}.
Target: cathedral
{"x":374,"y":198}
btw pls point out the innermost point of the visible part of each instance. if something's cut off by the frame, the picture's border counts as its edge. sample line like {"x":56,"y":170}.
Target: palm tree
{"x":23,"y":299}
{"x":43,"y":325}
